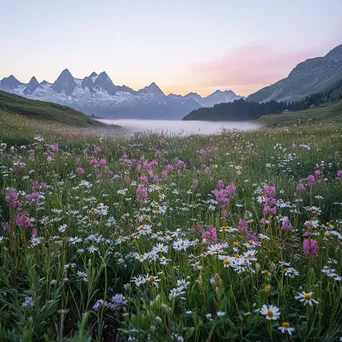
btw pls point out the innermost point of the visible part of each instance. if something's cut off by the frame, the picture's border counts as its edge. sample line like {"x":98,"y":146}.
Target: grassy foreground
{"x":232,"y":237}
{"x":328,"y":113}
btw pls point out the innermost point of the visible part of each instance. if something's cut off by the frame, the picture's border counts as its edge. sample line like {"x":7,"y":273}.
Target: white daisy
{"x":270,"y":312}
{"x":153,"y":280}
{"x":306,"y":298}
{"x":286,"y":328}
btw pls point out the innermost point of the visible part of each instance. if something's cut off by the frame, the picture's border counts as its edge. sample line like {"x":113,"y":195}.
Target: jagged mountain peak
{"x":104,"y":82}
{"x":220,"y":92}
{"x":10,"y":82}
{"x":66,"y":73}
{"x":194,"y":96}
{"x":93,"y":74}
{"x":153,"y":89}
{"x":87,"y":82}
{"x":64,"y":83}
{"x":103,"y":77}
{"x":32,"y":86}
{"x":34,"y":81}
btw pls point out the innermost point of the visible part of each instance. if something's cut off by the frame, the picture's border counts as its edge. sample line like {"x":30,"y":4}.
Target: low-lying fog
{"x":182,"y":127}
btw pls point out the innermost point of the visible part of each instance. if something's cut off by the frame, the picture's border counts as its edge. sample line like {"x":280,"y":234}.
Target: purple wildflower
{"x":310,"y":247}
{"x":141,"y":193}
{"x":29,"y":303}
{"x":80,"y":170}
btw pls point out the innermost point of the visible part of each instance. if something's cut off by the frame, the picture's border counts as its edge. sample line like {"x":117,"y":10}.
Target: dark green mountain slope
{"x":45,"y":111}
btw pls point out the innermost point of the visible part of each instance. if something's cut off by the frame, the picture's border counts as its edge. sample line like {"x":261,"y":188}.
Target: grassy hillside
{"x":46,"y":111}
{"x":331,"y":112}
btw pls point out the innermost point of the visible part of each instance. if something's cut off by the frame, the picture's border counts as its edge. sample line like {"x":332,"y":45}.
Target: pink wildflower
{"x":311,"y":179}
{"x":23,"y":220}
{"x":97,"y":148}
{"x":35,"y":186}
{"x":55,"y":148}
{"x":220,"y":184}
{"x":141,"y":193}
{"x":12,"y":198}
{"x":286,"y":225}
{"x":300,"y":187}
{"x":310,"y":247}
{"x":243,"y":226}
{"x":80,"y":170}
{"x":210,"y":234}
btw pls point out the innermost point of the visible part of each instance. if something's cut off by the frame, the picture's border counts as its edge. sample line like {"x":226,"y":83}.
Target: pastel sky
{"x":182,"y":45}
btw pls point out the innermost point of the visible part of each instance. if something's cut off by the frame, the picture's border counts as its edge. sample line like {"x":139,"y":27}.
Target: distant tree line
{"x":246,"y":110}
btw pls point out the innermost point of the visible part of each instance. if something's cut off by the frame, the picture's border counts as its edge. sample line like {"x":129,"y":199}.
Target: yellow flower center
{"x":327,"y":235}
{"x":237,"y":256}
{"x":250,"y":242}
{"x":307,"y":296}
{"x":270,"y":313}
{"x":141,"y":257}
{"x":236,"y":244}
{"x":152,"y":279}
{"x":226,"y":262}
{"x":285,"y":269}
{"x":285,"y":325}
{"x":265,"y":272}
{"x":268,"y":288}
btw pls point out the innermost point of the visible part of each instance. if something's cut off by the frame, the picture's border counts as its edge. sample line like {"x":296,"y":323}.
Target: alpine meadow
{"x":208,"y":211}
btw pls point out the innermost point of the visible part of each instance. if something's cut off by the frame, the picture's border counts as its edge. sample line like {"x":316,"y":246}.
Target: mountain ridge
{"x":311,"y":76}
{"x":98,"y":94}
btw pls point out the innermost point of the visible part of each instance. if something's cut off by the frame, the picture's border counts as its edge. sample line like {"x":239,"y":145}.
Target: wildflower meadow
{"x":228,"y":237}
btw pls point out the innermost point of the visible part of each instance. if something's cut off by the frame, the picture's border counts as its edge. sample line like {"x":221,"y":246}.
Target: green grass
{"x":44,"y":111}
{"x":328,"y":113}
{"x":84,"y":239}
{"x":19,"y":130}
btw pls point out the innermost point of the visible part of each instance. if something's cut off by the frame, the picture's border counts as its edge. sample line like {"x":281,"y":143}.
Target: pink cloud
{"x":249,"y":68}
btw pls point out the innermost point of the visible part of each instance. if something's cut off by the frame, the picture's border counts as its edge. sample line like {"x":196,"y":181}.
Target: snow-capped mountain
{"x":97,"y":94}
{"x":31,"y":86}
{"x":311,"y":76}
